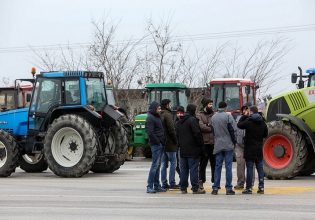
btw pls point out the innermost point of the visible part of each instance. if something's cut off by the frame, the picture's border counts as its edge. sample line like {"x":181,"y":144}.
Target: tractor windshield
{"x":177,"y":97}
{"x":230,"y":93}
{"x":110,"y":96}
{"x":95,"y":93}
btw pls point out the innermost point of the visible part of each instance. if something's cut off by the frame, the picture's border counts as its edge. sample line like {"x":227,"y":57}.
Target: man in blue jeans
{"x":169,"y":155}
{"x":224,"y":140}
{"x":255,"y":132}
{"x":190,"y":143}
{"x":157,"y":140}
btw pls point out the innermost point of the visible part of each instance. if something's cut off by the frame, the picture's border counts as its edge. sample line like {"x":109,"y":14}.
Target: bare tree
{"x":262,"y":64}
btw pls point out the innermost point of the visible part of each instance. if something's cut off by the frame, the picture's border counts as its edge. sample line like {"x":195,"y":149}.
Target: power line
{"x":182,"y":38}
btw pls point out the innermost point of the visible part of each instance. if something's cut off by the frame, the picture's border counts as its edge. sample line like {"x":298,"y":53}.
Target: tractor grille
{"x":277,"y":106}
{"x":8,"y":130}
{"x":297,"y":100}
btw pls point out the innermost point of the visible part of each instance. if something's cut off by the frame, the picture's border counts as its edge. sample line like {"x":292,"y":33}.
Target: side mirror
{"x":247,"y":89}
{"x":187,"y":92}
{"x":301,"y":84}
{"x":294,"y":78}
{"x":28,"y":97}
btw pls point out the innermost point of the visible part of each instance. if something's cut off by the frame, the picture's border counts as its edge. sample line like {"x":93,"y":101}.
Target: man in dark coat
{"x":190,"y":143}
{"x":255,"y":132}
{"x":204,"y":117}
{"x":157,"y":140}
{"x":169,"y":155}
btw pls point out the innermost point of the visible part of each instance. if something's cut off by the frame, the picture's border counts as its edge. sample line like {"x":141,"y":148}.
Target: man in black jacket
{"x":157,"y":140}
{"x":255,"y":132}
{"x":190,"y":143}
{"x":169,"y":155}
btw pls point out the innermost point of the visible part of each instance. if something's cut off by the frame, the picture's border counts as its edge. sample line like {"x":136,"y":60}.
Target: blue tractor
{"x":68,"y":126}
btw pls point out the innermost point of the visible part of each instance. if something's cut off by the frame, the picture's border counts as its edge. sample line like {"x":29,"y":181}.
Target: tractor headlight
{"x":138,"y":126}
{"x":143,"y":126}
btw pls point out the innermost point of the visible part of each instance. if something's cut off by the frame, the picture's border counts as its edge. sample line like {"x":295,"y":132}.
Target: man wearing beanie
{"x":255,"y":132}
{"x":224,"y":140}
{"x":204,"y":117}
{"x":169,"y":154}
{"x":190,"y":145}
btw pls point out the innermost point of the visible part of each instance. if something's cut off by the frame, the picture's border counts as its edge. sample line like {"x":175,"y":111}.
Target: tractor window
{"x":312,"y":81}
{"x":171,"y":95}
{"x":154,"y":95}
{"x":182,"y":98}
{"x":110,"y":96}
{"x":232,"y":99}
{"x":95,"y":93}
{"x":72,"y":92}
{"x":46,"y":95}
{"x":216,"y":94}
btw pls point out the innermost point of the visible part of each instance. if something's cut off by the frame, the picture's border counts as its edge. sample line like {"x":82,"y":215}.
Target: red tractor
{"x":17,"y":96}
{"x":234,"y":91}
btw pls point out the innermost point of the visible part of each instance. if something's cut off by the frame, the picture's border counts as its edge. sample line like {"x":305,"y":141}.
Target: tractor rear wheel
{"x":70,"y":146}
{"x":9,"y":154}
{"x":284,"y":150}
{"x":33,"y":163}
{"x":120,"y":139}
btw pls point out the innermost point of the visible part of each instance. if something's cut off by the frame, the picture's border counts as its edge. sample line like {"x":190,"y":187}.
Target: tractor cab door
{"x":47,"y":94}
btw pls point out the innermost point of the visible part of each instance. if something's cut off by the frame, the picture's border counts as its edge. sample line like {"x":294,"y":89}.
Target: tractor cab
{"x":176,"y":92}
{"x":310,"y":78}
{"x":234,"y":91}
{"x":17,"y":96}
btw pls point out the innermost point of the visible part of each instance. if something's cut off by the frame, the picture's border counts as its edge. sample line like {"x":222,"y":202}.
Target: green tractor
{"x":178,"y":94}
{"x":290,"y":145}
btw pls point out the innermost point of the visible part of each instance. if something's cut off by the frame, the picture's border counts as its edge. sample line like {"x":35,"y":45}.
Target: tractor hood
{"x":14,"y":121}
{"x":141,"y":117}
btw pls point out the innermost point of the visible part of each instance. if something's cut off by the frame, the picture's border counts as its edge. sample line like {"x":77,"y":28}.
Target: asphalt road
{"x":122,"y":195}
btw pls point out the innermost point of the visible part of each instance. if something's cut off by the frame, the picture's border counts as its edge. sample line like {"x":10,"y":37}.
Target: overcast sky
{"x":26,"y":23}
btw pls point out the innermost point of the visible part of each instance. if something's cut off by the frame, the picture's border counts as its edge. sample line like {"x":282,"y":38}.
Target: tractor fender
{"x":301,"y":124}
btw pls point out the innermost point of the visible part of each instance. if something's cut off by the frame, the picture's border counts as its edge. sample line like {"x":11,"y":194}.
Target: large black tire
{"x":9,"y":154}
{"x":120,"y":137}
{"x":70,"y":146}
{"x":309,"y":167}
{"x":33,"y":163}
{"x":285,"y":136}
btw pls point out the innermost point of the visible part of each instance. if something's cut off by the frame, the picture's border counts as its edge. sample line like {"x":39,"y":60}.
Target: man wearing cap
{"x":204,"y":117}
{"x":239,"y":152}
{"x":224,"y":140}
{"x":255,"y":132}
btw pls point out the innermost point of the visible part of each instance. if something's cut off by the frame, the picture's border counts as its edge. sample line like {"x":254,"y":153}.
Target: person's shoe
{"x":175,"y":187}
{"x":238,"y":187}
{"x":214,"y":192}
{"x":230,"y":192}
{"x":247,"y":191}
{"x":201,"y":185}
{"x":261,"y":191}
{"x":166,"y":186}
{"x":183,"y":191}
{"x":160,"y":189}
{"x":199,"y":191}
{"x":150,"y":190}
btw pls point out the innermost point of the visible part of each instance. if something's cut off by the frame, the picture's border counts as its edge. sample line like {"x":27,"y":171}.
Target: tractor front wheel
{"x":70,"y":146}
{"x":9,"y":154}
{"x":284,"y":151}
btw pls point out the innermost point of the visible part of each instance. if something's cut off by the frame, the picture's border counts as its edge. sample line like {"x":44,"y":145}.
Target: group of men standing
{"x":196,"y":138}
